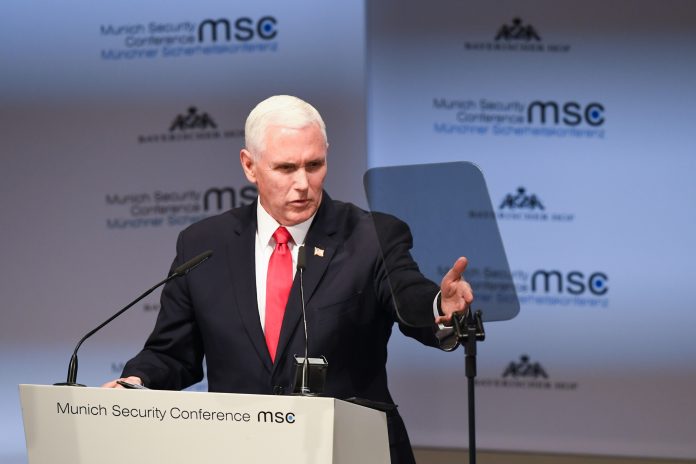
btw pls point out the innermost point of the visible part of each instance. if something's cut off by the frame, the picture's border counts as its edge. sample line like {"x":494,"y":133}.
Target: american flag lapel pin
{"x":319,"y":252}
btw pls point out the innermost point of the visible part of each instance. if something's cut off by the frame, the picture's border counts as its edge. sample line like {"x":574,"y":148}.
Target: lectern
{"x":95,"y":425}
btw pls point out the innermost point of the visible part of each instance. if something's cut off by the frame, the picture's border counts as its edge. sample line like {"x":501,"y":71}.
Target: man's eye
{"x":313,"y":166}
{"x":286,"y":168}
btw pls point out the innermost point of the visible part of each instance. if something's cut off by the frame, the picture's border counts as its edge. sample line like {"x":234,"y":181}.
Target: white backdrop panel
{"x":121,"y":124}
{"x":591,"y":204}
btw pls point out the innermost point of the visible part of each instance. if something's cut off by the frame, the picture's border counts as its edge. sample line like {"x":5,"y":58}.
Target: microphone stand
{"x":304,"y":390}
{"x":469,"y":330}
{"x":72,"y":367}
{"x":178,"y":272}
{"x":303,"y":385}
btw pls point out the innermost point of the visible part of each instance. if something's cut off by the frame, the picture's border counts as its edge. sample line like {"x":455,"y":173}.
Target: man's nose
{"x":301,"y":179}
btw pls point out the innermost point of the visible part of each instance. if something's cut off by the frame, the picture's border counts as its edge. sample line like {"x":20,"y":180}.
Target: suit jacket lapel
{"x":242,"y":263}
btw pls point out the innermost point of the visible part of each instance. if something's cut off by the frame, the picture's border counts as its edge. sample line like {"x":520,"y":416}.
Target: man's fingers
{"x":446,"y":320}
{"x":457,"y":294}
{"x":456,"y":272}
{"x":115,"y":384}
{"x":112,"y":384}
{"x":455,"y":291}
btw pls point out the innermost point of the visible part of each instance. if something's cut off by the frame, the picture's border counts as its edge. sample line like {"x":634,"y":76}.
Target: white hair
{"x":278,"y":110}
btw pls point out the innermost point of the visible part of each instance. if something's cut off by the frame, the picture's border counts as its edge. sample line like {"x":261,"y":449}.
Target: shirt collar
{"x":266,"y":227}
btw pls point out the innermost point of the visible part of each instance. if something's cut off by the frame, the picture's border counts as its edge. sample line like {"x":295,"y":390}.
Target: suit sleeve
{"x":173,"y":353}
{"x":403,"y":288}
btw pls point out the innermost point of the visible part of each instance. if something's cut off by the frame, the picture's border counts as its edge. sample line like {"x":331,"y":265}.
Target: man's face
{"x":290,"y":172}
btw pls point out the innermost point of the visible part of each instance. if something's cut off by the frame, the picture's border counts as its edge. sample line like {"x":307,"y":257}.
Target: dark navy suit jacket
{"x":212,"y":312}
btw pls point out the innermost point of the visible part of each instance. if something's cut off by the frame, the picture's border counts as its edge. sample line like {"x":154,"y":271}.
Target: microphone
{"x":301,"y":264}
{"x":178,"y":272}
{"x":301,"y":259}
{"x":189,"y":265}
{"x":316,"y":369}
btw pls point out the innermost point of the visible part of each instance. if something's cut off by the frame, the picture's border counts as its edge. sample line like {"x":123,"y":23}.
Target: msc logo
{"x":570,"y":113}
{"x":574,"y":282}
{"x":517,"y":31}
{"x":276,"y":417}
{"x":242,"y":29}
{"x":218,"y":195}
{"x":521,"y":200}
{"x":192,"y":120}
{"x":525,"y":369}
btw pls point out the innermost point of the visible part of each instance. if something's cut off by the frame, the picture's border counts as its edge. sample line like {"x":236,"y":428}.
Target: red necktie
{"x":278,"y":284}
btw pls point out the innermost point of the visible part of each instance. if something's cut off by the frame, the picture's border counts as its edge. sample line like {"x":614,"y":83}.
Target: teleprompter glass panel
{"x":449,"y":212}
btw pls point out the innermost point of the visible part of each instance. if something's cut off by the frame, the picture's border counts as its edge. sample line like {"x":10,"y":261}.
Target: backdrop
{"x":122,"y":123}
{"x":580,"y":114}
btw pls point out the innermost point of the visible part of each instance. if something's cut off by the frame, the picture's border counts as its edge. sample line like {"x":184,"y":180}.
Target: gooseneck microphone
{"x":177,"y":272}
{"x":189,"y":265}
{"x":310,"y":376}
{"x":301,"y":264}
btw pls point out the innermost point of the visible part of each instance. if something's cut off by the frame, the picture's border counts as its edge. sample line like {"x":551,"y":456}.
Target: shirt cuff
{"x":437,"y":311}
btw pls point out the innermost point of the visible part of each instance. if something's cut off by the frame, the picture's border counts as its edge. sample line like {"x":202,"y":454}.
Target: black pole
{"x":472,"y":423}
{"x":470,"y":350}
{"x":474,"y":332}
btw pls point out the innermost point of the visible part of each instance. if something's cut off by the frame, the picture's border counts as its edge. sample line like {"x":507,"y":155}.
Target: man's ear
{"x":248,"y":164}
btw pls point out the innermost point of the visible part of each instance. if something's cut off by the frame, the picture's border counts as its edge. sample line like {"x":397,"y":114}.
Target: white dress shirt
{"x":265,"y":244}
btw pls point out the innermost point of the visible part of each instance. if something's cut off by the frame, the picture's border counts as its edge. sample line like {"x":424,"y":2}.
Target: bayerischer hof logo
{"x":192,"y":124}
{"x":516,"y":36}
{"x":521,"y":200}
{"x":529,"y":206}
{"x":523,"y":205}
{"x":192,"y":120}
{"x":517,"y":31}
{"x":527,"y":374}
{"x":525,"y":369}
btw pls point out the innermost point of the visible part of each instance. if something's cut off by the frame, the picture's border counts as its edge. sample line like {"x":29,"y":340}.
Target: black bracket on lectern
{"x":469,"y":329}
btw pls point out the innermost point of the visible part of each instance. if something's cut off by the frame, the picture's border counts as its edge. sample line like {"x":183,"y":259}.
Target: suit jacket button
{"x":278,"y":390}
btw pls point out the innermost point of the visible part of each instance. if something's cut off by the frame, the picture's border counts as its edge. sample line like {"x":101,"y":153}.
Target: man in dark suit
{"x":242,"y":309}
